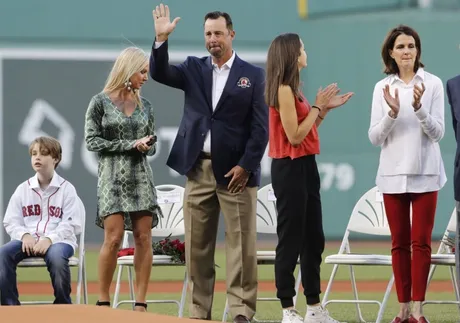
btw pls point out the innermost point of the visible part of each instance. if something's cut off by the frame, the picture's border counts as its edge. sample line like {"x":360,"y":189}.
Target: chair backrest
{"x":266,"y":210}
{"x":368,"y":215}
{"x":452,"y":225}
{"x":447,"y":241}
{"x":81,"y":243}
{"x":170,"y":198}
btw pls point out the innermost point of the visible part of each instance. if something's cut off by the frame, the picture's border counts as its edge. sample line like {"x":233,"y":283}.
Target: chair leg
{"x":85,"y":283}
{"x":355,"y":293}
{"x":183,"y":295}
{"x":78,"y":297}
{"x":131,"y":284}
{"x":297,"y":286}
{"x":329,"y":284}
{"x":117,"y":285}
{"x":453,"y":277}
{"x":224,"y":317}
{"x":79,"y":282}
{"x":385,"y":299}
{"x":431,"y":273}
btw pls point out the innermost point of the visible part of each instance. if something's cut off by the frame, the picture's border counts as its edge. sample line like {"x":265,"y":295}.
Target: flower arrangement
{"x":173,"y":248}
{"x":450,"y":243}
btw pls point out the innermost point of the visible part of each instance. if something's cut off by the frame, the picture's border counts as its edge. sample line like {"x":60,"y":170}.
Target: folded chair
{"x":368,"y":217}
{"x":445,"y":256}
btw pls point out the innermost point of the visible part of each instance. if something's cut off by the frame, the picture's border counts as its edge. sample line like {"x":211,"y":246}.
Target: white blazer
{"x":410,"y":156}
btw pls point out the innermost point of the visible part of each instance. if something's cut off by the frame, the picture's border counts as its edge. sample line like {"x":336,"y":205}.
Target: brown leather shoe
{"x":241,"y":319}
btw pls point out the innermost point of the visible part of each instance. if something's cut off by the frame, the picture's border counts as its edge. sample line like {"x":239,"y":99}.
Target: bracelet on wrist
{"x":316,"y":107}
{"x":392,"y":114}
{"x":322,"y":118}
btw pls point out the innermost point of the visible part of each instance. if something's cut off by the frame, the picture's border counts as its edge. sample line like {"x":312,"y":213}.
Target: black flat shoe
{"x":144,"y":305}
{"x":102,"y":303}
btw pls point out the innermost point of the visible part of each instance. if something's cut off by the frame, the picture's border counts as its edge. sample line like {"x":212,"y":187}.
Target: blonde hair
{"x":47,"y":146}
{"x":130,"y":61}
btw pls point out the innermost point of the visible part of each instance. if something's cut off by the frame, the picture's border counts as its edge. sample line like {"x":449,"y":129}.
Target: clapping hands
{"x":393,"y":102}
{"x":324,"y":96}
{"x":418,"y":93}
{"x":329,"y":97}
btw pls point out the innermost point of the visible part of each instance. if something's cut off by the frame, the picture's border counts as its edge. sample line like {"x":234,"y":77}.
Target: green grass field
{"x":271,"y":310}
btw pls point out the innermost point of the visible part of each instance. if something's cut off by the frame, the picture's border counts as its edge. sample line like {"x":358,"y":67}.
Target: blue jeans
{"x":57,"y":262}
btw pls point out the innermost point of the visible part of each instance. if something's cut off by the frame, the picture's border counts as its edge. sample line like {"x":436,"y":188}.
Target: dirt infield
{"x":82,"y":313}
{"x":265,"y":286}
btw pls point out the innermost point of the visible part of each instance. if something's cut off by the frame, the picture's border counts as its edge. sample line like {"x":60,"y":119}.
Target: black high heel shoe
{"x":102,"y":303}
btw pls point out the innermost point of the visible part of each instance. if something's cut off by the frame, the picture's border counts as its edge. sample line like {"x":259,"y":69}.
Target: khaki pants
{"x":457,"y":244}
{"x":203,"y":201}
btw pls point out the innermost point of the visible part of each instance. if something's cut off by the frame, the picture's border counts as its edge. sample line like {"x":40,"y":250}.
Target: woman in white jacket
{"x":407,"y":122}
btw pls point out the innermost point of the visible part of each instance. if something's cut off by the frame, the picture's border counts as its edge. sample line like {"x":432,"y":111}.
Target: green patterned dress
{"x":125,"y":180}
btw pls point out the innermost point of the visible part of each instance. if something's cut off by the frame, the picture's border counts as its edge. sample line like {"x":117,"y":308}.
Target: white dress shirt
{"x":410,"y":157}
{"x":219,"y":79}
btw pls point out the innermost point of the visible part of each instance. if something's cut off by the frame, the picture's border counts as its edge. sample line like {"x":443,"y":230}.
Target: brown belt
{"x":204,"y":155}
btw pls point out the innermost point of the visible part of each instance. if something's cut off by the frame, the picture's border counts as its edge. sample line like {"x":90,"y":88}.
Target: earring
{"x":128,"y":85}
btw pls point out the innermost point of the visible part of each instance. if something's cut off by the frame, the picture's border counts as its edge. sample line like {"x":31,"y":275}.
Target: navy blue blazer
{"x":453,"y":96}
{"x":239,"y":123}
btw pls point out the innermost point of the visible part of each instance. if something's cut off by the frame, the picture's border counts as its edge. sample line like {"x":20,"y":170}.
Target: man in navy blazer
{"x":221,"y":140}
{"x":453,"y":96}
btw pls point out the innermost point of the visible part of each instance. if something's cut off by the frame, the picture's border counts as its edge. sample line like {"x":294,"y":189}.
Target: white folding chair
{"x":368,"y":217}
{"x":170,"y":199}
{"x":75,"y":261}
{"x":266,"y":223}
{"x":446,"y":257}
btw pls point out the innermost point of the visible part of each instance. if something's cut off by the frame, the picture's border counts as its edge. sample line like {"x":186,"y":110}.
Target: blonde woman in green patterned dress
{"x":119,"y":126}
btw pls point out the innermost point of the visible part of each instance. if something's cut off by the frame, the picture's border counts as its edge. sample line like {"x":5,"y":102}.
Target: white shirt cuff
{"x":53,"y":237}
{"x":421,"y":113}
{"x":158,"y":44}
{"x":19,"y":234}
{"x":388,"y":122}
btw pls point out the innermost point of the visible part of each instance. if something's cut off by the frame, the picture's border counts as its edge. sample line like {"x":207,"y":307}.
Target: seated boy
{"x":43,"y":218}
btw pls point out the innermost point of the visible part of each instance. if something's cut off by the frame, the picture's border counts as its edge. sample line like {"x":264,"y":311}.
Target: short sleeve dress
{"x":125,"y":180}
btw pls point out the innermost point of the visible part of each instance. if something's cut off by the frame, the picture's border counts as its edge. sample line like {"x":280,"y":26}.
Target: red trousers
{"x":411,"y":273}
